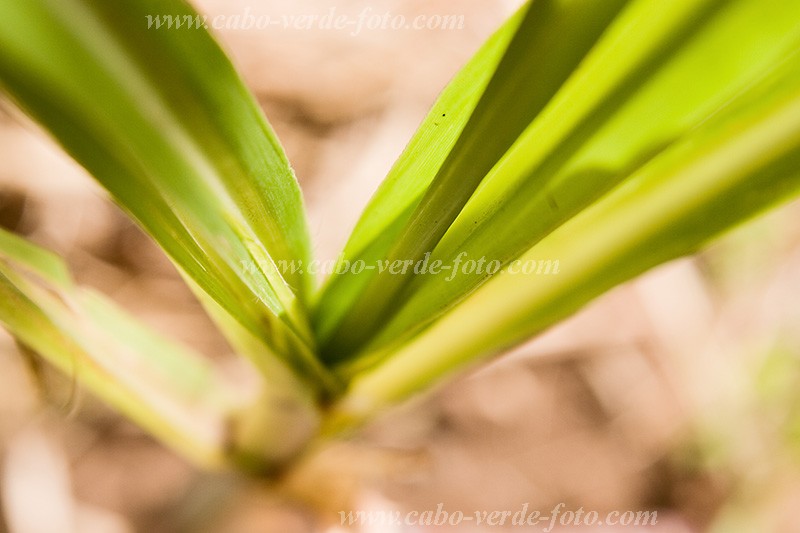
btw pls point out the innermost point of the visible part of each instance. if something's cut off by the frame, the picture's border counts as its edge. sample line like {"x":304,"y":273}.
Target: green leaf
{"x":167,"y":389}
{"x":732,"y":167}
{"x":534,"y":66}
{"x":645,"y":86}
{"x":38,"y":261}
{"x":401,"y":191}
{"x":161,"y":119}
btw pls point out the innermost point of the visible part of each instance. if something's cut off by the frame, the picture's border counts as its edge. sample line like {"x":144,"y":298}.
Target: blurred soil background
{"x":678,"y":392}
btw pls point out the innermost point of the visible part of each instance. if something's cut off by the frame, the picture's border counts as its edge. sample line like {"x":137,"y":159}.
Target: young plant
{"x":606,"y":136}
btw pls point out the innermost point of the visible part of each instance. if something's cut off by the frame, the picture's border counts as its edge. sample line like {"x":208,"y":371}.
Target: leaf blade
{"x":733,"y":168}
{"x":179,"y":143}
{"x":592,"y":136}
{"x":167,"y":389}
{"x":535,"y":64}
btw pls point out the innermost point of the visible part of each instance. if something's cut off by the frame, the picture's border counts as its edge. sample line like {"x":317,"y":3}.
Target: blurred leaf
{"x":43,"y":263}
{"x":167,"y":389}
